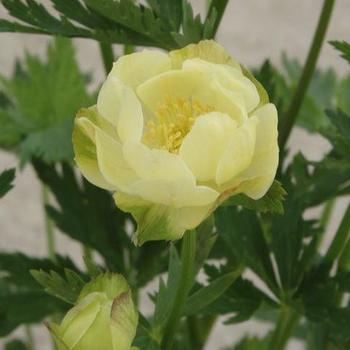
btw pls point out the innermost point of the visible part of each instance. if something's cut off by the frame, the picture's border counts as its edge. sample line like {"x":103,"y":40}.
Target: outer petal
{"x":124,"y":318}
{"x":85,"y":148}
{"x":176,"y":193}
{"x":136,"y":68}
{"x":192,"y":85}
{"x":154,"y":164}
{"x":157,"y":222}
{"x":79,"y":319}
{"x":111,"y":162}
{"x":239,"y":152}
{"x":230,"y":78}
{"x":99,"y":334}
{"x":119,"y":105}
{"x":203,"y":147}
{"x":207,"y":50}
{"x":260,"y":174}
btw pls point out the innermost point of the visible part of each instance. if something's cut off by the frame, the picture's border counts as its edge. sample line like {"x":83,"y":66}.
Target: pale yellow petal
{"x":119,"y":105}
{"x":239,"y":152}
{"x":192,"y":85}
{"x":159,"y":222}
{"x":203,"y":147}
{"x":85,"y":150}
{"x":258,"y":177}
{"x":136,"y":68}
{"x":111,"y":162}
{"x":207,"y":50}
{"x":230,"y":78}
{"x":154,"y":164}
{"x":176,"y":193}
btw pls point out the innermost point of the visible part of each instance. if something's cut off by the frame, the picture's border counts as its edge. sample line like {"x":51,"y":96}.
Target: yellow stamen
{"x":173,"y":120}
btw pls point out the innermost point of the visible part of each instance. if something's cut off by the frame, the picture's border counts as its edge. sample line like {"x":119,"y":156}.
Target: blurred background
{"x":251,"y":30}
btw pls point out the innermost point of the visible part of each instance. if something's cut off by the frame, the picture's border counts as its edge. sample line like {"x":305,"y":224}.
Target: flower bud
{"x":104,"y":317}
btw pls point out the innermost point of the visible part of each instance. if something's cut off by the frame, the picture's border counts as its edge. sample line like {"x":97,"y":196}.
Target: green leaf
{"x":22,"y":300}
{"x":66,"y":287}
{"x":6,"y":179}
{"x":240,"y":300}
{"x":16,"y":345}
{"x":253,"y":343}
{"x":166,"y":293}
{"x":272,"y":201}
{"x":241,"y":232}
{"x":343,"y":47}
{"x":86,"y":213}
{"x":167,"y":24}
{"x":44,"y":99}
{"x":208,"y":294}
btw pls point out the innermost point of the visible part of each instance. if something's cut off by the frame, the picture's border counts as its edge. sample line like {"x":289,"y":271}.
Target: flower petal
{"x":207,"y":50}
{"x":136,"y":68}
{"x":261,"y":172}
{"x":155,"y":164}
{"x":176,"y":193}
{"x":119,"y":105}
{"x":204,"y":145}
{"x":111,"y":162}
{"x":157,"y":222}
{"x":230,"y":78}
{"x":190,"y":85}
{"x":85,"y":148}
{"x":239,"y":152}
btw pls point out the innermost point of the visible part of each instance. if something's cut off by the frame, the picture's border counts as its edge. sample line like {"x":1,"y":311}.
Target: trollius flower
{"x":172,"y":135}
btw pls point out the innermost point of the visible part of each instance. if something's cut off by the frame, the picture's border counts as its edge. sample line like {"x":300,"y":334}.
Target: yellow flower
{"x":173,"y":135}
{"x":103,"y":318}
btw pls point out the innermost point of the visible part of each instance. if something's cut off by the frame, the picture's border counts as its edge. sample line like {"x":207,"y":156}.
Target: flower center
{"x":173,"y":120}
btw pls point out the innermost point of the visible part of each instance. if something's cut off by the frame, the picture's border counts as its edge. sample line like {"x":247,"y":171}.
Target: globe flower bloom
{"x":173,"y":135}
{"x":103,"y":318}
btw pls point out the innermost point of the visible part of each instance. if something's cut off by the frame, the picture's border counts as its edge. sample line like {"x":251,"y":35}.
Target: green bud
{"x":104,"y":317}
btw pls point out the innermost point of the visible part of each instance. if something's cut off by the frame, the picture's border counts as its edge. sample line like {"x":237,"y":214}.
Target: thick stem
{"x":307,"y":72}
{"x":107,"y":56}
{"x":219,"y":6}
{"x":287,"y":320}
{"x":186,"y":281}
{"x":50,"y":237}
{"x":340,"y":239}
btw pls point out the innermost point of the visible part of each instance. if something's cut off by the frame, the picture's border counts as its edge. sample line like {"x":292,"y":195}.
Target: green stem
{"x":219,"y":6}
{"x":340,"y":239}
{"x":30,"y":338}
{"x":48,"y":224}
{"x":308,"y":70}
{"x":327,"y":213}
{"x":107,"y":56}
{"x":200,"y":329}
{"x":286,"y":323}
{"x":344,"y":260}
{"x":185,"y":283}
{"x":128,"y":49}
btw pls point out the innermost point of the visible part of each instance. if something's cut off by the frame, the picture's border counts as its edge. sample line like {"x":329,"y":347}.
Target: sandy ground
{"x":252,"y":30}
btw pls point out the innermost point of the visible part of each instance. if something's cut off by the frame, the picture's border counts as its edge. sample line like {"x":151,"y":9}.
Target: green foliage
{"x":16,"y":345}
{"x":88,"y":215}
{"x":253,"y":343}
{"x":66,"y":287}
{"x":166,"y":24}
{"x":272,"y":201}
{"x":208,"y":294}
{"x":343,"y":47}
{"x":326,"y":91}
{"x":6,"y":179}
{"x":22,"y":300}
{"x":43,"y":98}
